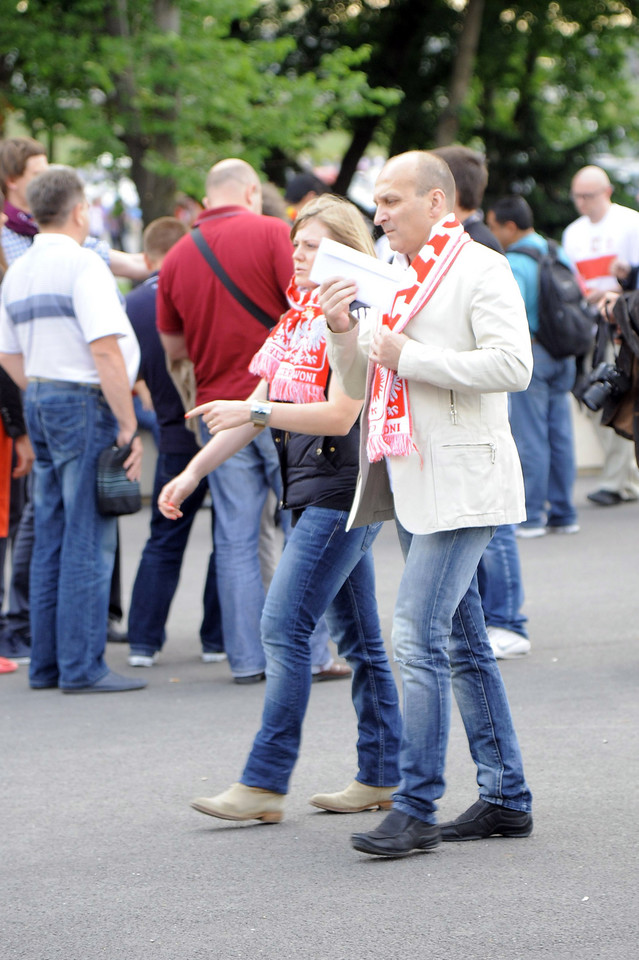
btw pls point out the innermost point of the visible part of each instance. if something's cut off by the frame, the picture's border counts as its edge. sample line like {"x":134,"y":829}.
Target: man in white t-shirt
{"x":604,"y":234}
{"x":64,"y":337}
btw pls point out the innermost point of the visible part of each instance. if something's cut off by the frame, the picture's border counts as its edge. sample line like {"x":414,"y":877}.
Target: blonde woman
{"x":324,"y":569}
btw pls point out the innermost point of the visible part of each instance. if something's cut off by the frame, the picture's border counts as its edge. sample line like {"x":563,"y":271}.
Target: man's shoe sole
{"x":509,"y":833}
{"x":363,"y":845}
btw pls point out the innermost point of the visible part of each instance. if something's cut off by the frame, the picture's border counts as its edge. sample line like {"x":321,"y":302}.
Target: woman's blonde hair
{"x":341,"y":217}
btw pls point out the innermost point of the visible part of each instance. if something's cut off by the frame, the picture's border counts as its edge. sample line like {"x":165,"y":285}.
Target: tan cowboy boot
{"x":355,"y":798}
{"x":240,"y":802}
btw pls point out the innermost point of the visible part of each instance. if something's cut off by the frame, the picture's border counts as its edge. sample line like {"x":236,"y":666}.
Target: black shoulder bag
{"x":223,"y":276}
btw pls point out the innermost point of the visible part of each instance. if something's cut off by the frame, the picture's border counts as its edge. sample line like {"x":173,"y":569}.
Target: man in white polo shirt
{"x":63,"y":338}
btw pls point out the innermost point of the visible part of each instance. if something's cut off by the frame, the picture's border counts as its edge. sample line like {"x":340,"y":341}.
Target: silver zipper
{"x":453,"y":408}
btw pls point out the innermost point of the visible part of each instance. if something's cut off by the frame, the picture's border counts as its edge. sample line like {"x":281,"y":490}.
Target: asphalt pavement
{"x":102,"y":857}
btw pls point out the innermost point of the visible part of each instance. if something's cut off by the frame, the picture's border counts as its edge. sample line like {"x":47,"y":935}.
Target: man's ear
{"x":438,"y":202}
{"x":78,"y":213}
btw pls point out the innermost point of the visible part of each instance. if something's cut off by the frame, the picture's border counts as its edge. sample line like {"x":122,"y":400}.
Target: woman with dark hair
{"x":324,"y":568}
{"x":13,"y":439}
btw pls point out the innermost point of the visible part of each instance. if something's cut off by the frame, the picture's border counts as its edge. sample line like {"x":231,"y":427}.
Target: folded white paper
{"x":377,"y":281}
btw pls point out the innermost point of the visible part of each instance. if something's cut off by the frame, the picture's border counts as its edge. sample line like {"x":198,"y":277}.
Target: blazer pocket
{"x":467,"y":482}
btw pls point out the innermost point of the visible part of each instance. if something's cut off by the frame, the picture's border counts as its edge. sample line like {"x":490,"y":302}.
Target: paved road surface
{"x":101,"y":856}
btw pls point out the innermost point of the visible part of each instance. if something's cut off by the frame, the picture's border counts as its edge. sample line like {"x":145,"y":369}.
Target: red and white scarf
{"x":293,"y":357}
{"x":390,"y":427}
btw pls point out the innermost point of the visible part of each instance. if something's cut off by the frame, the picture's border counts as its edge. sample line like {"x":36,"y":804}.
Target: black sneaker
{"x":484,"y":820}
{"x":252,"y":678}
{"x":15,"y":648}
{"x":397,"y":835}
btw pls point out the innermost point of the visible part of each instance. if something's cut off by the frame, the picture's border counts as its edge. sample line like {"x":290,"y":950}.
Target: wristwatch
{"x":260,"y":413}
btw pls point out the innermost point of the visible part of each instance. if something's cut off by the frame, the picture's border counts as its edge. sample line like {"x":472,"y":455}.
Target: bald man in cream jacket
{"x":438,"y":456}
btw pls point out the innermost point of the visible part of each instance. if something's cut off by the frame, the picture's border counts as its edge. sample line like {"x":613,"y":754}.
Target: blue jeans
{"x":17,"y":620}
{"x":159,"y":570}
{"x":500,"y":583}
{"x":69,"y":424}
{"x":541,"y":423}
{"x":238,"y":492}
{"x":324,"y":570}
{"x":440,"y":641}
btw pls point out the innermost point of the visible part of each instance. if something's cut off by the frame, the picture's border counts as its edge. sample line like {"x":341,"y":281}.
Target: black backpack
{"x":566,"y":320}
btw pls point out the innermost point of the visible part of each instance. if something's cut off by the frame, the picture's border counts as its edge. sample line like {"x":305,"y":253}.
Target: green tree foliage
{"x":176,"y":84}
{"x":543,"y":88}
{"x":168,"y":84}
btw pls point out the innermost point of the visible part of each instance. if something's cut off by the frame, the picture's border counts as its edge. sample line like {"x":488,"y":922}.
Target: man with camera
{"x":540,"y":417}
{"x":603,"y":239}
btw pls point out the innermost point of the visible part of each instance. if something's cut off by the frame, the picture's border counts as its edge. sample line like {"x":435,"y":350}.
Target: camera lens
{"x":596,"y":395}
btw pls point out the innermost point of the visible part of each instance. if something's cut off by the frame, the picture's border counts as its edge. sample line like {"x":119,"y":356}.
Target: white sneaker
{"x":527,"y":533}
{"x":208,"y":657}
{"x":565,"y":528}
{"x":507,"y":644}
{"x":139,"y":660}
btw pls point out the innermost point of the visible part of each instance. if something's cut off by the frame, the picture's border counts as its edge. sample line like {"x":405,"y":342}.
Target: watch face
{"x":260,"y":413}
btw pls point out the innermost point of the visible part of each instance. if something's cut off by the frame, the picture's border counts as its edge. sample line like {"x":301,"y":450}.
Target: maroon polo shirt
{"x":221,"y":336}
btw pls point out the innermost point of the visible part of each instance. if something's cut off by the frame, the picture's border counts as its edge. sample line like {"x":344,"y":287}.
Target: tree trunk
{"x":156,"y":190}
{"x":395,"y":63}
{"x":362,"y":136}
{"x":448,"y":126}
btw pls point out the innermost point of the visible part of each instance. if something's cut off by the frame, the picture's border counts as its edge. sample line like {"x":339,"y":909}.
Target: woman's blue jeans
{"x":440,"y":640}
{"x":324,"y":569}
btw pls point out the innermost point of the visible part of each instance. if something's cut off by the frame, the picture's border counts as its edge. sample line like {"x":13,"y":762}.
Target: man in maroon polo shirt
{"x":199,"y":318}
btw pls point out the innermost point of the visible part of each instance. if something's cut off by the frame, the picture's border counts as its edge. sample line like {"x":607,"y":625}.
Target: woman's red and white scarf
{"x":390,"y":427}
{"x":293,"y":357}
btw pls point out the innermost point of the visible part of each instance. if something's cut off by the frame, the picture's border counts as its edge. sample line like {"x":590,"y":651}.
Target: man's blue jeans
{"x":69,"y":424}
{"x":541,"y":423}
{"x":324,"y":570}
{"x":500,"y":582}
{"x":159,"y":570}
{"x":440,"y":640}
{"x":238,"y":492}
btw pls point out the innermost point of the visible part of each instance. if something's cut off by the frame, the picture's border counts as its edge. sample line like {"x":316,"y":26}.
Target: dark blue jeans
{"x":17,"y":620}
{"x":324,"y":570}
{"x":159,"y":570}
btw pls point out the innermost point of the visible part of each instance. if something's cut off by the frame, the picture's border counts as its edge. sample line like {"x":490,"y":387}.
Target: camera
{"x":605,"y":382}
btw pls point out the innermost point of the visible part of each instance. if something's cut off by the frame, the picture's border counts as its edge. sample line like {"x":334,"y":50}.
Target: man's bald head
{"x":591,"y":191}
{"x":413,"y":192}
{"x":233,"y":182}
{"x":426,"y":170}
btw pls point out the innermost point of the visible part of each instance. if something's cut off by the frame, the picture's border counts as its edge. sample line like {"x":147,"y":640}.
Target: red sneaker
{"x":7,"y":666}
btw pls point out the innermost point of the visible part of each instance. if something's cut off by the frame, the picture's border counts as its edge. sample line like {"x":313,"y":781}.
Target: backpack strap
{"x":224,"y":278}
{"x":533,"y":252}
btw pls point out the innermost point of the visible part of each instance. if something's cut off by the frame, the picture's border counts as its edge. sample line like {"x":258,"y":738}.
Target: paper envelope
{"x":377,"y":281}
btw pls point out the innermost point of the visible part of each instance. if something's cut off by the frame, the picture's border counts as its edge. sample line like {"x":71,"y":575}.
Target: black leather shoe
{"x":252,"y":678}
{"x":484,"y":820}
{"x":397,"y":835}
{"x":605,"y":498}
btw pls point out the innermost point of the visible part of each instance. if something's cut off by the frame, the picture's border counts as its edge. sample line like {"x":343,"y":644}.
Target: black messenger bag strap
{"x":223,"y":276}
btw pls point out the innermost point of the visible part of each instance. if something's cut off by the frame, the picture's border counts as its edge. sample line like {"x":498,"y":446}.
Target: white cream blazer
{"x":469,"y":347}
